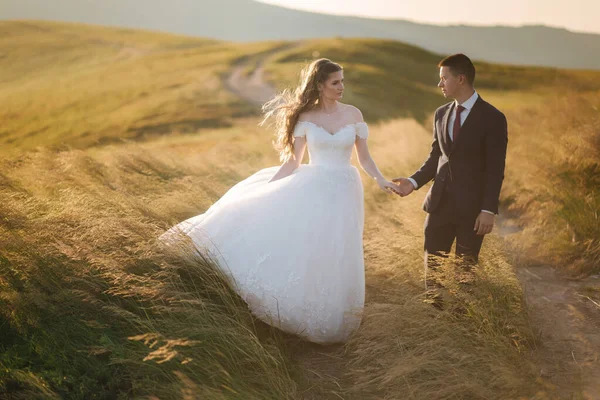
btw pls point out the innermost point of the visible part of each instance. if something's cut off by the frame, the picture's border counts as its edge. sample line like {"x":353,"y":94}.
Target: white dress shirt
{"x":468,"y":105}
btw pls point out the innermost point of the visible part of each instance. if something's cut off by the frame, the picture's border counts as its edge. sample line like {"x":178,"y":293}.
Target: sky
{"x":574,"y":15}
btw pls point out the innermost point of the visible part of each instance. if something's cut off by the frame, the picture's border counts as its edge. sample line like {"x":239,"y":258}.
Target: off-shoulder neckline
{"x":336,"y":132}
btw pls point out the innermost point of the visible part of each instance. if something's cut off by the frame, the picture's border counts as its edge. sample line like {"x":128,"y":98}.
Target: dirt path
{"x":567,"y":319}
{"x":251,"y":85}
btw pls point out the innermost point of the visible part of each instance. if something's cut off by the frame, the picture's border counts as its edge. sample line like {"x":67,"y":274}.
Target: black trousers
{"x":444,"y":226}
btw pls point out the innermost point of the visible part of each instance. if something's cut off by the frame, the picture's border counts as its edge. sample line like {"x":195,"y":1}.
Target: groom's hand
{"x":404,"y":185}
{"x":484,"y":223}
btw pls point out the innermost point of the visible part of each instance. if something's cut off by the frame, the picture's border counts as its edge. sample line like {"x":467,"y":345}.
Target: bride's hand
{"x":388,"y":186}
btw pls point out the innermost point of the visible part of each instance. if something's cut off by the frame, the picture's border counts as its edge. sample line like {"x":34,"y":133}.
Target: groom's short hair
{"x":460,"y":64}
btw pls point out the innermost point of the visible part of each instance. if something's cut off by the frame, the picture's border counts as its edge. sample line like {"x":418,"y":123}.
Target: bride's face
{"x":333,"y":87}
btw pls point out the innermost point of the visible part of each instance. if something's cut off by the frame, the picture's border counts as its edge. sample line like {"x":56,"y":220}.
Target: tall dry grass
{"x":92,"y":307}
{"x":476,"y":348}
{"x":552,"y":187}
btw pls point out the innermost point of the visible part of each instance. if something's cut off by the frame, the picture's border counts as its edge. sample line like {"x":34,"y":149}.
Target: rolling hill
{"x":81,"y":86}
{"x":247,"y":20}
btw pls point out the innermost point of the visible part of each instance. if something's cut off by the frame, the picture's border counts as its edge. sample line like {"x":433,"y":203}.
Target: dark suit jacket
{"x":472,"y":168}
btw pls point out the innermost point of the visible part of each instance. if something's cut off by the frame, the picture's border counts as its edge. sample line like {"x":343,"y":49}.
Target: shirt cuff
{"x":414,"y":183}
{"x":489,"y":212}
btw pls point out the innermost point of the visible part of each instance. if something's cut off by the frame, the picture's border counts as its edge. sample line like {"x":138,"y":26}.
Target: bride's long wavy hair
{"x":287,"y":106}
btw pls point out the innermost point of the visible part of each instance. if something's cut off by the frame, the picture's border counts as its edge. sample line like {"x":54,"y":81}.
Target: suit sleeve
{"x":429,"y":168}
{"x":496,"y":142}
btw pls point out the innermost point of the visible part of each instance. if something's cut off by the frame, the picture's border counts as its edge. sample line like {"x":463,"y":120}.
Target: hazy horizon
{"x":250,"y":20}
{"x":478,"y":12}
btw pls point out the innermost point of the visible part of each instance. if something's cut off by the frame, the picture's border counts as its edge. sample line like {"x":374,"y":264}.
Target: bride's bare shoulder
{"x":353,"y":112}
{"x":306,"y":116}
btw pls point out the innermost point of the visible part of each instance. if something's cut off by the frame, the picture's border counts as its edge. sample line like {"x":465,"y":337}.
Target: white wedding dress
{"x":293,"y":247}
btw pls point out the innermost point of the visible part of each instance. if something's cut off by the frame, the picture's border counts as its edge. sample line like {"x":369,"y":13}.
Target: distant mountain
{"x":247,"y":20}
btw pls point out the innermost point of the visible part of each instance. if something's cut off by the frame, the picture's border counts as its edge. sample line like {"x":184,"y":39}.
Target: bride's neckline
{"x":336,"y":132}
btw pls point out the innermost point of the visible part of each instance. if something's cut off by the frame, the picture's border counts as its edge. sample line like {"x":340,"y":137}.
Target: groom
{"x":466,"y":163}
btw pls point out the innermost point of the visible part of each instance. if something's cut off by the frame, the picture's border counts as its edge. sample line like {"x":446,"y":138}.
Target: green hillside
{"x":388,"y":79}
{"x":81,"y":86}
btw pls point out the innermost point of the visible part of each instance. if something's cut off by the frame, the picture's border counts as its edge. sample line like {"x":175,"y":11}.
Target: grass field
{"x":553,"y":184}
{"x":81,"y":86}
{"x":112,"y":136}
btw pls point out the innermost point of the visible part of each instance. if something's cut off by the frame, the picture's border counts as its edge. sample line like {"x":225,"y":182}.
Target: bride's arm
{"x":368,"y":165}
{"x":364,"y":157}
{"x":294,"y":162}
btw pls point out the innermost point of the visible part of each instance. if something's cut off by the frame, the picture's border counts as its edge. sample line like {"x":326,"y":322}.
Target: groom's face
{"x":449,"y":83}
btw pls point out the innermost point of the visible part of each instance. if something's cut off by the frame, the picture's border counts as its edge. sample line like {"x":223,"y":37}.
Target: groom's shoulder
{"x":492,"y":110}
{"x":442,"y":109}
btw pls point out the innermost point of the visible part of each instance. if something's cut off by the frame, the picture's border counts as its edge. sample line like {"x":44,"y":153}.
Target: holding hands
{"x":400,"y":186}
{"x":387,"y":186}
{"x":483,"y":225}
{"x":405,"y":186}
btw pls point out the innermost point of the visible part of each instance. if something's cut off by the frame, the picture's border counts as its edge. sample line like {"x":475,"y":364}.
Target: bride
{"x":290,"y":237}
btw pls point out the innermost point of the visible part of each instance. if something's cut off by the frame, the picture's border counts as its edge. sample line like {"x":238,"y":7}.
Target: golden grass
{"x":79,"y":86}
{"x":407,"y":348}
{"x":552,"y":185}
{"x":91,"y":306}
{"x":91,"y":223}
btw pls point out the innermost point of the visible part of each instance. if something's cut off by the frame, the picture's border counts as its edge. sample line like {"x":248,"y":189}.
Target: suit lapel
{"x":469,"y":124}
{"x":445,"y":139}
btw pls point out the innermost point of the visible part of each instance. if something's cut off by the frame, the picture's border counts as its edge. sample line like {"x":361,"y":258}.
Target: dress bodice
{"x":330,"y":149}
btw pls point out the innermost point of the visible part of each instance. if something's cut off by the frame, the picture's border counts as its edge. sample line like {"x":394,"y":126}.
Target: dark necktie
{"x":456,"y":126}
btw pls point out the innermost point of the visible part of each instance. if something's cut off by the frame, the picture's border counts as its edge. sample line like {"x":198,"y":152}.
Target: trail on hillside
{"x":568,"y":324}
{"x":247,"y":78}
